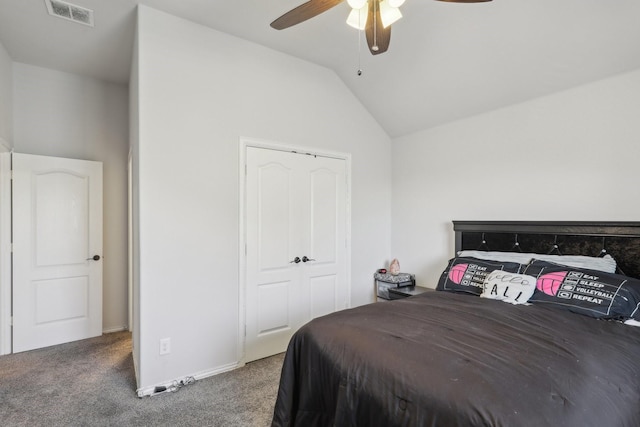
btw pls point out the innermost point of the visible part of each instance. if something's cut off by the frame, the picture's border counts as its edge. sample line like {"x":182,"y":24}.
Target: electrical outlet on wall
{"x":165,"y":346}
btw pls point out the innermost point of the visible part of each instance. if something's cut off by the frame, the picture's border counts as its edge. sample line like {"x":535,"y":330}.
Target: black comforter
{"x":442,"y":359}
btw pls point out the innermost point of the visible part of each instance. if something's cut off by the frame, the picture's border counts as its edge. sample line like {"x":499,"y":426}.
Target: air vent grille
{"x":70,"y":12}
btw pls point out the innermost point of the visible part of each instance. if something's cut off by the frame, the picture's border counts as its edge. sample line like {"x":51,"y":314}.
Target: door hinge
{"x":11,"y":321}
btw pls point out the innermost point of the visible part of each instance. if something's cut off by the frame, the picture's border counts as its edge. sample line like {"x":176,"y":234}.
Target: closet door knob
{"x":94,"y":258}
{"x":305,"y":259}
{"x":296,"y":260}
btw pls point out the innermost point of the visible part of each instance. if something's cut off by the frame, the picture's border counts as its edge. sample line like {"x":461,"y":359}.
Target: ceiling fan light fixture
{"x":357,"y":4}
{"x":396,"y":3}
{"x":388,"y":14}
{"x":358,"y":17}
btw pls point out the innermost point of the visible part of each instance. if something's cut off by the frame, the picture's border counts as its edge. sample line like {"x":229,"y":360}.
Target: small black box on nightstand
{"x":386,"y":281}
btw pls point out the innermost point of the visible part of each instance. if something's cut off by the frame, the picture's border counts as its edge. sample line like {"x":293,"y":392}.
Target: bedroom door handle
{"x":94,"y":258}
{"x":305,"y":259}
{"x":296,"y":260}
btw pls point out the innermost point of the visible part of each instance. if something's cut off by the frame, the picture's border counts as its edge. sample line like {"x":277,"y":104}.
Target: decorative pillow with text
{"x":509,"y":287}
{"x":467,"y":275}
{"x":590,"y":292}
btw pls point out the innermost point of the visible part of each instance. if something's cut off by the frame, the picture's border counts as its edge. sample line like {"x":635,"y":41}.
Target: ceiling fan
{"x":373,"y":16}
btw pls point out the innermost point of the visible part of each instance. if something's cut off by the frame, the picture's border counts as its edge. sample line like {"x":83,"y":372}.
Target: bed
{"x":453,"y":358}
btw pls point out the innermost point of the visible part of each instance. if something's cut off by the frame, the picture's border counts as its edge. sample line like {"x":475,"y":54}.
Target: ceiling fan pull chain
{"x":375,"y":26}
{"x":359,"y":72}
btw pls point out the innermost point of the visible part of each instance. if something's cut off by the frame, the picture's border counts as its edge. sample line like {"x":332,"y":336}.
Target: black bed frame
{"x":619,"y":239}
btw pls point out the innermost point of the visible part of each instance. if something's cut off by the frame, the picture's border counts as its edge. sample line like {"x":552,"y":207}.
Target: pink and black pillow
{"x":466,"y":274}
{"x":589,"y":292}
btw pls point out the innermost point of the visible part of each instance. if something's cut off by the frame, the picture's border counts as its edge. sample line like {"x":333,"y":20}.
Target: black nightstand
{"x":407,"y":291}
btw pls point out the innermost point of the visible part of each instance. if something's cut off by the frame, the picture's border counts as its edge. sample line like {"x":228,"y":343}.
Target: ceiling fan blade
{"x":378,"y":37}
{"x":303,"y":12}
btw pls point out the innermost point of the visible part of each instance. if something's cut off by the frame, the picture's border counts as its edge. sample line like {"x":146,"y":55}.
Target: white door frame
{"x":130,"y":240}
{"x":246,"y":142}
{"x":5,"y":249}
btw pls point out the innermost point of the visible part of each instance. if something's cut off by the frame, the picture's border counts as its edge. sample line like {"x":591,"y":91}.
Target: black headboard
{"x":619,"y":239}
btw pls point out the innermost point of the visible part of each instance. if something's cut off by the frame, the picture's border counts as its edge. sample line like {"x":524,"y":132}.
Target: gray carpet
{"x":92,"y":383}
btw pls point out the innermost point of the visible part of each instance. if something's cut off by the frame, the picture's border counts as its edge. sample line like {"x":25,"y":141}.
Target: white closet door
{"x":57,"y":232}
{"x":296,"y":210}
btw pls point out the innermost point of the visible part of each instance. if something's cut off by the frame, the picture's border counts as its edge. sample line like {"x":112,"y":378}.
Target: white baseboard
{"x":115,"y":329}
{"x":148,"y":391}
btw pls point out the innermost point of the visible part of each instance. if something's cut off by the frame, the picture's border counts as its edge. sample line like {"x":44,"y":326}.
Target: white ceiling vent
{"x":70,"y":12}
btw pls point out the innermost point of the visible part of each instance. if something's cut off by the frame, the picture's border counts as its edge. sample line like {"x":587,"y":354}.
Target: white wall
{"x":569,"y":156}
{"x":66,"y":115}
{"x":6,"y":97}
{"x":200,"y":91}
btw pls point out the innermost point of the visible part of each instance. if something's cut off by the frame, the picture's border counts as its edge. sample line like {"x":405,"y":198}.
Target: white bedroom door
{"x":57,"y":247}
{"x":296,"y":256}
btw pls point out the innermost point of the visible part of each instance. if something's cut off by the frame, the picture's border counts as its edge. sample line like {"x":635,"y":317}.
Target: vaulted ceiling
{"x":446,"y":61}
